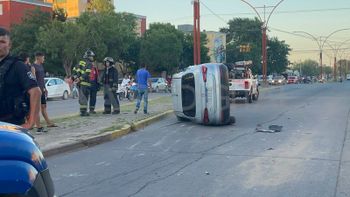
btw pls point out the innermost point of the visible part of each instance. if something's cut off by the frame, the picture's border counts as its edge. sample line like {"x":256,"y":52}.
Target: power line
{"x":291,"y":11}
{"x":250,"y":13}
{"x":210,"y":10}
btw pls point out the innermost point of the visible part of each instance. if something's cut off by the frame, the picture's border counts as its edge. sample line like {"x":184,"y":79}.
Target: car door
{"x":162,"y":84}
{"x":51,"y":88}
{"x":60,"y":87}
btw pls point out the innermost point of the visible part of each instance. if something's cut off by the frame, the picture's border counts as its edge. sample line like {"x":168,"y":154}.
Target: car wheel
{"x":131,"y":96}
{"x":65,"y":95}
{"x":256,"y":96}
{"x":250,"y":97}
{"x":232,"y":120}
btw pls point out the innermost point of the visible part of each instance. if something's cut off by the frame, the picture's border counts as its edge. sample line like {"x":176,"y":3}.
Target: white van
{"x":201,"y":94}
{"x":347,"y":76}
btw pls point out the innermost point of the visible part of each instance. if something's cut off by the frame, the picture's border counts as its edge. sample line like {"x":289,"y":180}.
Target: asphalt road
{"x":309,"y":157}
{"x":60,"y":108}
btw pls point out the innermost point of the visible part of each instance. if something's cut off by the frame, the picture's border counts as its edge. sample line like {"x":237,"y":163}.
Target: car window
{"x":52,"y":82}
{"x":59,"y":81}
{"x":188,"y":95}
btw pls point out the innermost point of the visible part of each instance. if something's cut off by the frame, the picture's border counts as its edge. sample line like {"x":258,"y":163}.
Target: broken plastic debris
{"x":276,"y":128}
{"x":207,"y":173}
{"x":271,"y":129}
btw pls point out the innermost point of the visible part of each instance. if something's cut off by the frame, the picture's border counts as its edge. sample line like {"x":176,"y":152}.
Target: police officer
{"x":81,"y":75}
{"x":109,"y":80}
{"x":19,"y":92}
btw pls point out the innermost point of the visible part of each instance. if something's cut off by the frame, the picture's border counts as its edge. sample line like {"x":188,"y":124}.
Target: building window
{"x":0,"y":9}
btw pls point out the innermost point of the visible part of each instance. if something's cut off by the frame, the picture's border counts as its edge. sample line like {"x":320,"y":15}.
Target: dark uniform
{"x":109,"y":80}
{"x":82,"y":72}
{"x":15,"y":80}
{"x":93,"y":88}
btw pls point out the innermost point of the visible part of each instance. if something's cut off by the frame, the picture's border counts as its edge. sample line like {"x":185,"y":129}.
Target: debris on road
{"x":271,"y":129}
{"x":207,"y":173}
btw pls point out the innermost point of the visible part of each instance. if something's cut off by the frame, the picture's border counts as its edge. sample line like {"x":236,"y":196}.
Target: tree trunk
{"x":67,"y":64}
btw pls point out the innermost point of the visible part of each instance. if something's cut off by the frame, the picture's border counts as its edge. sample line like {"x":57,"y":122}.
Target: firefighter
{"x":109,"y":79}
{"x":81,"y":75}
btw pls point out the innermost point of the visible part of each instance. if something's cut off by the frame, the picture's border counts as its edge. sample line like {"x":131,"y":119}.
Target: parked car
{"x":56,"y":88}
{"x":347,"y":76}
{"x":278,"y":80}
{"x":159,"y":84}
{"x":201,"y":94}
{"x":23,"y":169}
{"x":292,"y":79}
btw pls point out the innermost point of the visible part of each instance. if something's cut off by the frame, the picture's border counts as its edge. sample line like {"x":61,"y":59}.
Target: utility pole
{"x":264,"y":22}
{"x":196,"y":33}
{"x":336,"y":49}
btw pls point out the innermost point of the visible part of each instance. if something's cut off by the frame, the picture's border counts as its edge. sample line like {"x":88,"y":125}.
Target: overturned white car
{"x":201,"y":94}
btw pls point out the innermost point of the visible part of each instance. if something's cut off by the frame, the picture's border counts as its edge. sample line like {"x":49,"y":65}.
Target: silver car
{"x":201,"y":94}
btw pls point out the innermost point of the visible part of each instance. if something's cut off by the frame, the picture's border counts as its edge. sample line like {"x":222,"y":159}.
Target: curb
{"x":105,"y":137}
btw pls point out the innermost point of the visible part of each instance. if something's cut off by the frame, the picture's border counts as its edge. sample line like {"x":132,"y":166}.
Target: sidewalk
{"x":77,"y":132}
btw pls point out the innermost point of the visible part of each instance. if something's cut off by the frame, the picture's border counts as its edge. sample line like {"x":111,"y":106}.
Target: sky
{"x":319,"y":18}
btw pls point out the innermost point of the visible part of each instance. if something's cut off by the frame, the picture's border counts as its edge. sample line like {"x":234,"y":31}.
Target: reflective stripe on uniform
{"x":82,"y":63}
{"x":83,"y":106}
{"x":85,"y":83}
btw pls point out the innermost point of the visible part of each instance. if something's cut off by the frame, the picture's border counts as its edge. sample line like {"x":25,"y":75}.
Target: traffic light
{"x":244,"y":48}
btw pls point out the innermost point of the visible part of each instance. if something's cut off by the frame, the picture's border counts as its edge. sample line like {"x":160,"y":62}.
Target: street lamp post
{"x":321,"y":43}
{"x":264,"y":22}
{"x":336,"y":49}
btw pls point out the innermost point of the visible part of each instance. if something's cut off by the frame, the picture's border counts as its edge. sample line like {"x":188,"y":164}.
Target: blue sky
{"x":317,"y":17}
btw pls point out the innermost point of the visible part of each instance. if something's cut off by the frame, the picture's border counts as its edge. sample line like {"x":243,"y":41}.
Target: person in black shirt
{"x":40,"y":77}
{"x":16,"y":81}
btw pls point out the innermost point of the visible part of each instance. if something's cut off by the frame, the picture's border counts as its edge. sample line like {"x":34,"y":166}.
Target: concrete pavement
{"x":310,"y":157}
{"x":75,"y":132}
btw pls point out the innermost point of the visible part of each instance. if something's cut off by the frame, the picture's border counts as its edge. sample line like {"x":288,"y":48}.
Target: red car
{"x":292,"y":79}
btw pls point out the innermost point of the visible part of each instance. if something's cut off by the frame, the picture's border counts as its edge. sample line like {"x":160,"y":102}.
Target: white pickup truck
{"x":242,"y":82}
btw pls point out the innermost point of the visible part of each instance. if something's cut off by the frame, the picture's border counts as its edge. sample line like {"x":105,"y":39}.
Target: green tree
{"x":187,"y":53}
{"x":24,"y":35}
{"x":277,"y":56}
{"x":59,"y":14}
{"x":328,"y":70}
{"x":100,"y":6}
{"x":63,"y":44}
{"x":244,"y":31}
{"x":308,"y":68}
{"x":161,"y":47}
{"x":108,"y":34}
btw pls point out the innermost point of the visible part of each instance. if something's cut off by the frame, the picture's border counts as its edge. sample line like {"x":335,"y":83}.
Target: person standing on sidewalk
{"x":81,"y":76}
{"x":26,"y":59}
{"x":19,"y":91}
{"x":109,"y":80}
{"x":94,"y":88}
{"x":40,"y":75}
{"x":142,"y":79}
